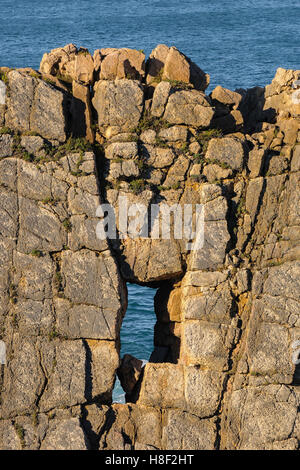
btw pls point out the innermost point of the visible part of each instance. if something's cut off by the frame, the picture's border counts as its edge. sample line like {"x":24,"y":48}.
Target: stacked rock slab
{"x":74,"y":66}
{"x":223,"y":373}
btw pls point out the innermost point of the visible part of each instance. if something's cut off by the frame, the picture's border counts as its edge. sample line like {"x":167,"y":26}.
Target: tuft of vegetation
{"x":21,"y":434}
{"x":116,"y":184}
{"x":161,"y":143}
{"x":4,"y":77}
{"x":37,"y":253}
{"x":14,"y":320}
{"x":53,"y":334}
{"x":198,"y":158}
{"x":185,"y":147}
{"x":76,"y":145}
{"x":35,"y":74}
{"x":158,"y":78}
{"x":5,"y":130}
{"x":223,"y":165}
{"x":64,"y":78}
{"x":174,"y":187}
{"x":180,"y":85}
{"x":35,"y":418}
{"x":203,"y":138}
{"x":30,"y":133}
{"x":67,"y":225}
{"x":197,"y":178}
{"x":133,"y":138}
{"x":50,"y":200}
{"x":13,"y":293}
{"x":137,"y":186}
{"x":141,"y":164}
{"x":150,"y":122}
{"x":28,"y":157}
{"x":241,"y":207}
{"x":58,"y":280}
{"x":48,"y":80}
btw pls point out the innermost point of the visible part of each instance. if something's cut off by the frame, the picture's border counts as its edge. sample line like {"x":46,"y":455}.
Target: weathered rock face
{"x":168,"y":63}
{"x":62,"y":339}
{"x":36,"y":106}
{"x":223,"y":373}
{"x":120,"y":63}
{"x":119,"y":104}
{"x":69,"y":62}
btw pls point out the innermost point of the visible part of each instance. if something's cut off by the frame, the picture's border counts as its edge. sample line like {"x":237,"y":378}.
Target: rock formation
{"x":86,"y":130}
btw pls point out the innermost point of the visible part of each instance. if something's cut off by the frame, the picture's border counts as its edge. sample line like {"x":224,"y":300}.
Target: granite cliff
{"x":85,"y":130}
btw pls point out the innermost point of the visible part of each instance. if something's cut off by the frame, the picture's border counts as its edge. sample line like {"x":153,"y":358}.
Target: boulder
{"x":216,"y":173}
{"x":155,"y":64}
{"x":226,"y":150}
{"x":160,"y":98}
{"x":84,"y":67}
{"x":148,"y":137}
{"x":231,"y":122}
{"x":69,"y":63}
{"x":168,"y":376}
{"x":129,"y":372}
{"x":174,"y":134}
{"x":20,"y":101}
{"x":33,"y":144}
{"x":255,"y":161}
{"x":123,"y":150}
{"x":118,"y":103}
{"x":158,"y":157}
{"x":215,"y":237}
{"x":117,"y":169}
{"x":37,"y":106}
{"x":120,"y":63}
{"x":60,"y":61}
{"x":49,"y":112}
{"x":225,"y":97}
{"x":261,"y":417}
{"x":167,"y":63}
{"x":189,"y":107}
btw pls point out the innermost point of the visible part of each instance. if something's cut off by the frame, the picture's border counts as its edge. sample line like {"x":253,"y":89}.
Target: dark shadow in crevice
{"x":131,"y":72}
{"x":96,"y":432}
{"x":78,"y":118}
{"x":253,"y":112}
{"x":296,"y":376}
{"x":88,"y":373}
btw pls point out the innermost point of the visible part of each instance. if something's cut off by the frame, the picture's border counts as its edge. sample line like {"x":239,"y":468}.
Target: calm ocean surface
{"x":240,"y":44}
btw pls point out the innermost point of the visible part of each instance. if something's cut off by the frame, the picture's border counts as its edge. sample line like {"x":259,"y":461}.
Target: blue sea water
{"x":239,"y":43}
{"x":137,"y":328}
